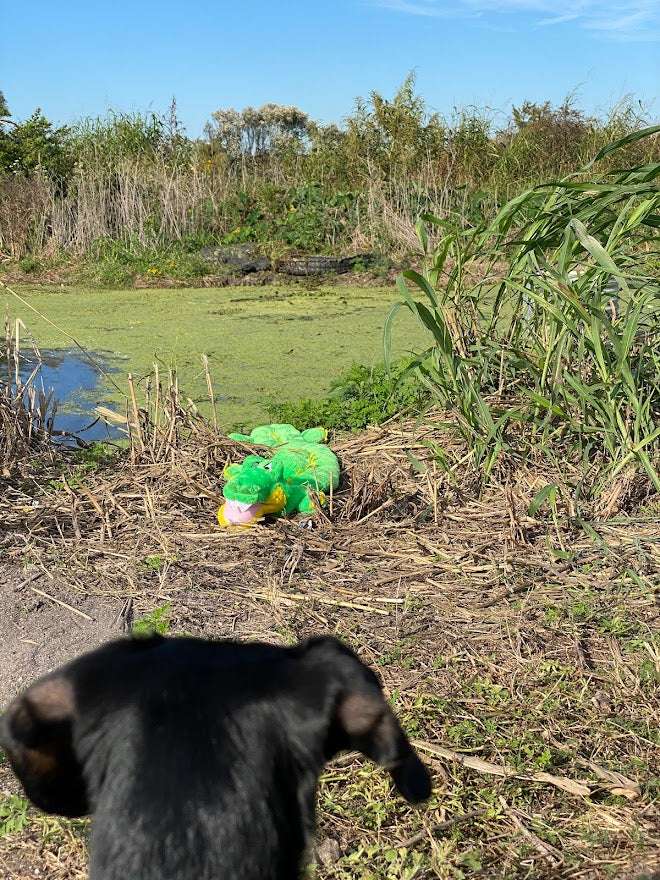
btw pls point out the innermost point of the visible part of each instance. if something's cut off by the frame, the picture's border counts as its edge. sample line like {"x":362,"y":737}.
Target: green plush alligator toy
{"x":280,"y":483}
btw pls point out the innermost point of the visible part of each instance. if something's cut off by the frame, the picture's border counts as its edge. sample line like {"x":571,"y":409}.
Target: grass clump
{"x":13,"y":814}
{"x":119,"y":264}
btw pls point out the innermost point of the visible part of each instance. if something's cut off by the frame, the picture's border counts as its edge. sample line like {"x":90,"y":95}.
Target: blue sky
{"x":76,"y":59}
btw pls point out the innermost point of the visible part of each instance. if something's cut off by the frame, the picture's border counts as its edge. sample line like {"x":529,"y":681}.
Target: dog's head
{"x":71,"y":737}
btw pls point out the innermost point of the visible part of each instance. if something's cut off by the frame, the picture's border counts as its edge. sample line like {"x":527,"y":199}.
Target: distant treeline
{"x":272,"y":175}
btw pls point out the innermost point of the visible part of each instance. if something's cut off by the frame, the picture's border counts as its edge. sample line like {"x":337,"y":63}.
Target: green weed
{"x":360,"y":397}
{"x":366,"y":863}
{"x":30,"y":264}
{"x":13,"y":814}
{"x":154,"y":562}
{"x":157,"y":621}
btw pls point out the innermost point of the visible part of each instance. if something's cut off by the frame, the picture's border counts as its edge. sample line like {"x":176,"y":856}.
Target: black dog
{"x":200,"y":760}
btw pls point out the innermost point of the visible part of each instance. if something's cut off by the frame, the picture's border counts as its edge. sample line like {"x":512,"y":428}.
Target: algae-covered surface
{"x":263,"y":344}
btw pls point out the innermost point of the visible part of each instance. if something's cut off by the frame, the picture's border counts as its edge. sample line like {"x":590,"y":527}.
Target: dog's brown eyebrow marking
{"x":51,"y":701}
{"x":40,"y":762}
{"x":359,"y":713}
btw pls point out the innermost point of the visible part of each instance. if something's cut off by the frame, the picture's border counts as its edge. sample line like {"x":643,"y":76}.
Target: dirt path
{"x":38,"y":633}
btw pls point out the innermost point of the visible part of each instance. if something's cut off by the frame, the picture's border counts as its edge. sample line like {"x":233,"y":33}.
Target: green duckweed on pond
{"x":263,"y":344}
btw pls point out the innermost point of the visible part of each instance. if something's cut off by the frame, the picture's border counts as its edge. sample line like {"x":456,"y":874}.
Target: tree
{"x":4,"y":109}
{"x":255,"y":132}
{"x":34,"y":144}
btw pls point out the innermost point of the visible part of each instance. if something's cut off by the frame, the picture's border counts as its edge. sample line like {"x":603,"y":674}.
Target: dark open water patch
{"x":78,"y":385}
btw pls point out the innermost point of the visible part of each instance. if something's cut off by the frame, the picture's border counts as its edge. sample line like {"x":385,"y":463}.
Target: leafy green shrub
{"x":314,"y":218}
{"x":29,"y":264}
{"x":360,"y":397}
{"x":306,"y":217}
{"x":35,"y":144}
{"x":244,"y":217}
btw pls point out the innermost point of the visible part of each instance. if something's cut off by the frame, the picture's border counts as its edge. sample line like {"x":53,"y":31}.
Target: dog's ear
{"x":36,"y":732}
{"x":363,"y":720}
{"x":370,"y":726}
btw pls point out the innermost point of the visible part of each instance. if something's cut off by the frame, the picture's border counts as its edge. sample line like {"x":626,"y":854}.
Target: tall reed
{"x":528,"y":348}
{"x":27,"y":409}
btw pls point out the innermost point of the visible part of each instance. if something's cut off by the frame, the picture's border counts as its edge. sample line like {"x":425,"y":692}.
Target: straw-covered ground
{"x":521,"y":652}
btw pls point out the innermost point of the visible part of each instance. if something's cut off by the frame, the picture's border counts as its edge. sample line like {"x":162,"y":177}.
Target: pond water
{"x":78,"y":384}
{"x":263,"y":344}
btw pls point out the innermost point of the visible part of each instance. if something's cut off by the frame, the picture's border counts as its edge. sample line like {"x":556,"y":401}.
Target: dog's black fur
{"x":200,"y":760}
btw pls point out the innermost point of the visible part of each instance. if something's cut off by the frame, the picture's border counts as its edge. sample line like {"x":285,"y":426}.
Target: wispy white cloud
{"x":620,"y":23}
{"x":557,"y":19}
{"x":430,"y":8}
{"x":623,"y":20}
{"x":424,"y":7}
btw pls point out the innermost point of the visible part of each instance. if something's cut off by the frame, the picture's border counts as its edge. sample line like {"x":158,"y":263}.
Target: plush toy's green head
{"x":252,"y":490}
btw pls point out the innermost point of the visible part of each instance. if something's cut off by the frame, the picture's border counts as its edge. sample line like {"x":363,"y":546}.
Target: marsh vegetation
{"x":131,"y":196}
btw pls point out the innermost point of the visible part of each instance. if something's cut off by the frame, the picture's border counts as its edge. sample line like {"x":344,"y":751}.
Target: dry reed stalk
{"x":209,"y":386}
{"x":137,"y":422}
{"x":61,"y":603}
{"x":26,"y":411}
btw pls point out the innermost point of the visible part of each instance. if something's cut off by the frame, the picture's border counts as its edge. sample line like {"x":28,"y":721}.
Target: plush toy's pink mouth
{"x":239,"y":513}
